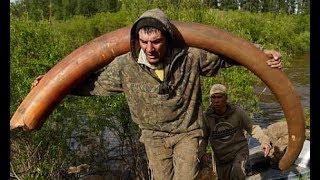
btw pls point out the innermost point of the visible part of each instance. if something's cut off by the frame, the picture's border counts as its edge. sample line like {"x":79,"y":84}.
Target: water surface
{"x":299,"y":75}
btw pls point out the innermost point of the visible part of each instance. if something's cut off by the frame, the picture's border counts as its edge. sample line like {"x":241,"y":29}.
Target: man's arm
{"x":105,"y":82}
{"x":256,"y":132}
{"x":246,"y":121}
{"x":210,"y":63}
{"x":264,"y":140}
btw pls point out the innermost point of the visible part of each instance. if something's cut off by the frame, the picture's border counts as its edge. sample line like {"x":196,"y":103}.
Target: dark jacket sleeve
{"x":107,"y":81}
{"x":246,"y":121}
{"x":210,"y":63}
{"x":254,"y":130}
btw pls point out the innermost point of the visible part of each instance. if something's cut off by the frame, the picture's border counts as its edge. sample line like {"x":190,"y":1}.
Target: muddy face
{"x":153,"y":45}
{"x":219,"y":102}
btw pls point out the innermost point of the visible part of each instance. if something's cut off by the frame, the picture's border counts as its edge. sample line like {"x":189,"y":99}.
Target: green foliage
{"x":36,"y":46}
{"x":229,"y":5}
{"x":65,"y":9}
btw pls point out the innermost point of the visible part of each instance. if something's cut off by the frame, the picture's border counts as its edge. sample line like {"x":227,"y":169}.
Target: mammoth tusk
{"x":74,"y":68}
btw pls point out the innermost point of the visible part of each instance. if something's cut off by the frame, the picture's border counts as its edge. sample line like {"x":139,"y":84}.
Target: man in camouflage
{"x":225,"y":126}
{"x":162,"y":87}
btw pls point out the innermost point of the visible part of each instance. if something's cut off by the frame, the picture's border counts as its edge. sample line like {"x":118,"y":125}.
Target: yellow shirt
{"x":159,"y":73}
{"x":158,"y":69}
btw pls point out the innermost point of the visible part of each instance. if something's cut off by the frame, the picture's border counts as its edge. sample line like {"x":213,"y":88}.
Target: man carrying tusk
{"x":162,"y":87}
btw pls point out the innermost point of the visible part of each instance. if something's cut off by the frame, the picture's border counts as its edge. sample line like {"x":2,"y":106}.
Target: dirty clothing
{"x":176,"y":111}
{"x":234,"y":170}
{"x":170,"y":107}
{"x":172,"y":156}
{"x":227,"y":138}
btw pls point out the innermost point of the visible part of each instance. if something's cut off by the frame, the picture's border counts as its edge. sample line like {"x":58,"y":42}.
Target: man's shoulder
{"x":236,"y":109}
{"x":124,"y":59}
{"x":198,"y":50}
{"x":120,"y":63}
{"x":194,"y":51}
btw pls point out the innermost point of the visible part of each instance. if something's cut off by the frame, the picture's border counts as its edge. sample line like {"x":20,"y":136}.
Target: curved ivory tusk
{"x":74,"y":68}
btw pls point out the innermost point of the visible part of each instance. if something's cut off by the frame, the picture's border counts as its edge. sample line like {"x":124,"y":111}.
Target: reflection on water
{"x":299,"y":75}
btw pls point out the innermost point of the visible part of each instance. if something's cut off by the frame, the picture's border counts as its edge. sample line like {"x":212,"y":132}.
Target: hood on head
{"x":154,"y":18}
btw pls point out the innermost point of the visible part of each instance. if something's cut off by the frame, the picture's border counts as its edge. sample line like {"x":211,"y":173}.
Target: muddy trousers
{"x":234,"y":170}
{"x":173,"y":156}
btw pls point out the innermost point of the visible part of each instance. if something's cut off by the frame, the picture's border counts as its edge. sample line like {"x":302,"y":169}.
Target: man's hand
{"x":36,"y":81}
{"x":266,"y":149}
{"x":274,"y":58}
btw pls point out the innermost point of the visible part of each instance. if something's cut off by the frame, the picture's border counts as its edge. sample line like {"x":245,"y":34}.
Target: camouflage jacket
{"x":172,"y":105}
{"x":226,"y":132}
{"x":179,"y":110}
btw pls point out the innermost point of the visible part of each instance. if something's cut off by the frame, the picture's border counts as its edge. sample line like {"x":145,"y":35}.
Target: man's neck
{"x":221,"y":111}
{"x":142,"y":59}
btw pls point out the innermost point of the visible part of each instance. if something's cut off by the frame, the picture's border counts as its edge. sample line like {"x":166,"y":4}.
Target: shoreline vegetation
{"x":36,"y":46}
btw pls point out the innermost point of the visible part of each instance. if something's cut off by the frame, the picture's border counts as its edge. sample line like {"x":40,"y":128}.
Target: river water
{"x":299,"y":75}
